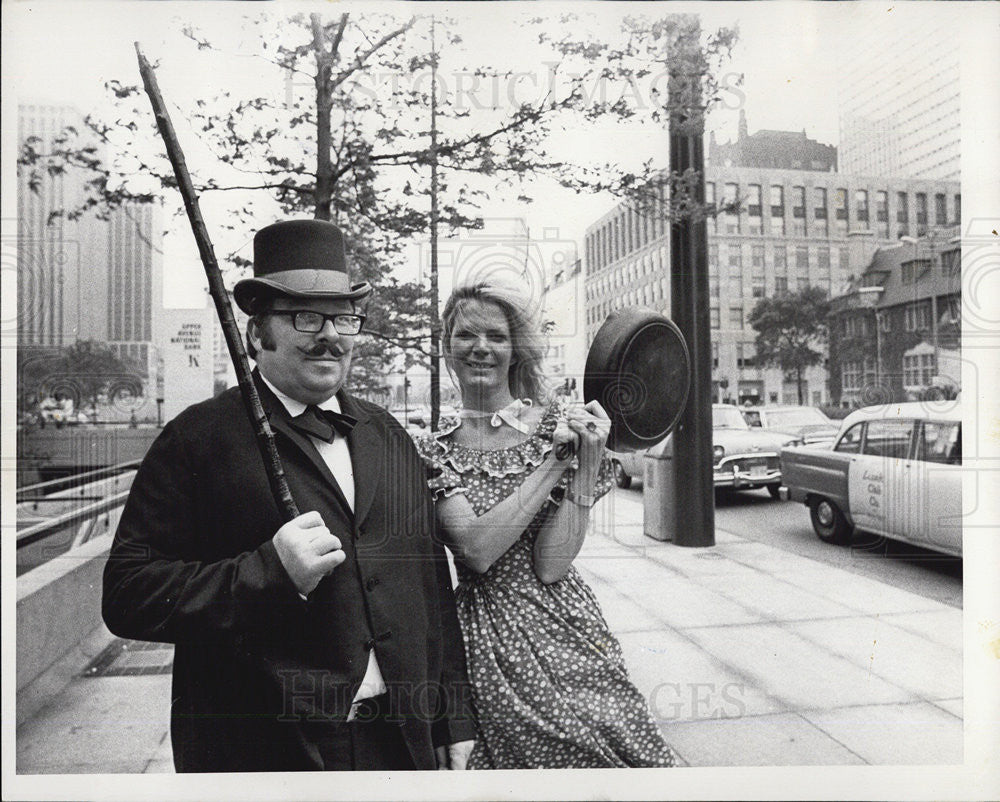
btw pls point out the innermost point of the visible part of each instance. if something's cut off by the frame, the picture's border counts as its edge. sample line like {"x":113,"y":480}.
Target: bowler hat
{"x":301,"y":259}
{"x":639,"y":368}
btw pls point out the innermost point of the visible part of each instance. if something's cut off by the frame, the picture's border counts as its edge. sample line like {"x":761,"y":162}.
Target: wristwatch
{"x":580,"y":499}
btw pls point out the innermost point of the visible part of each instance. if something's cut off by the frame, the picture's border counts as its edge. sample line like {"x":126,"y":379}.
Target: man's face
{"x":307,"y":367}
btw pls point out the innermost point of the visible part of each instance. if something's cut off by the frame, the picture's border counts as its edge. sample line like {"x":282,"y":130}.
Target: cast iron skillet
{"x":639,"y":369}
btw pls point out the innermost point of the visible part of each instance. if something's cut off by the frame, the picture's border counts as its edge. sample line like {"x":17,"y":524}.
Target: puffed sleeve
{"x":442,"y":479}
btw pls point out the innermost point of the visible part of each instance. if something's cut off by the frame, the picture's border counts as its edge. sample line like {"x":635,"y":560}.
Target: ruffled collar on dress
{"x":530,"y":452}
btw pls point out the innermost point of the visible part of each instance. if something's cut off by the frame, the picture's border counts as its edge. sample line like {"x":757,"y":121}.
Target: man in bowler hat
{"x":329,"y":642}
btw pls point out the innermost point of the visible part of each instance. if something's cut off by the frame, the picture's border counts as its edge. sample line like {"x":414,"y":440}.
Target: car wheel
{"x":622,"y":479}
{"x":829,"y":522}
{"x":774,"y":490}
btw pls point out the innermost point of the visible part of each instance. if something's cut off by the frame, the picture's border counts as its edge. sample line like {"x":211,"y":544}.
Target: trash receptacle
{"x":658,"y":494}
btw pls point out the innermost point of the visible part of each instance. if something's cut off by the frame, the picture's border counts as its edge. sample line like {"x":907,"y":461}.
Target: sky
{"x":788,"y":56}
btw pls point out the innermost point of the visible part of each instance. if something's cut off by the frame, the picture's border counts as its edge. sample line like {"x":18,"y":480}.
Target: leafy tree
{"x":791,"y":331}
{"x":81,"y":372}
{"x":351,"y":141}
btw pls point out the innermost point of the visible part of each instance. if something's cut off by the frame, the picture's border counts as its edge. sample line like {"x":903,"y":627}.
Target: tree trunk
{"x":323,"y":193}
{"x":798,"y":384}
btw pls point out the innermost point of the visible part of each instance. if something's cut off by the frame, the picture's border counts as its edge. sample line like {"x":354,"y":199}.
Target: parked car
{"x":807,"y":423}
{"x":743,"y":458}
{"x":894,"y":470}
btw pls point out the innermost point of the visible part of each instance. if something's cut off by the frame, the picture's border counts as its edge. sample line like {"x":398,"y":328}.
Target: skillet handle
{"x":565,"y":450}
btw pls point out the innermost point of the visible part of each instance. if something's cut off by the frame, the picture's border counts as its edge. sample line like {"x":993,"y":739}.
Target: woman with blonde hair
{"x":550,"y":686}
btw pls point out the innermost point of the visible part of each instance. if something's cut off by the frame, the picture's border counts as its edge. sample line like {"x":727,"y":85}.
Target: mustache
{"x":319,"y":349}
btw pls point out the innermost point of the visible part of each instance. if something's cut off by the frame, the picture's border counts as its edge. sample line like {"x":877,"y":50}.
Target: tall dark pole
{"x":694,"y":496}
{"x":435,"y":320}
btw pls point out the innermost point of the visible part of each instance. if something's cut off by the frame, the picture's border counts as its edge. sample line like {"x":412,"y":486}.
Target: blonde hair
{"x":525,"y":378}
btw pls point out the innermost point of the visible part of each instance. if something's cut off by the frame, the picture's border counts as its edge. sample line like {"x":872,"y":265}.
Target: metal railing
{"x":88,"y":517}
{"x":44,"y":490}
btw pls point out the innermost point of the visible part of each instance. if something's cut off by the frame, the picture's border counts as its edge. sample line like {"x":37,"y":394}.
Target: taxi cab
{"x":894,"y":470}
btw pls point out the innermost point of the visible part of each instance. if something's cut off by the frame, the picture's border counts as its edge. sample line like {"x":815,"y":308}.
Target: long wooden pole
{"x":217,"y":289}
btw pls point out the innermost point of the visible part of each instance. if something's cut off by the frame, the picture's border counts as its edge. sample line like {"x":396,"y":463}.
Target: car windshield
{"x":727,"y":418}
{"x":805,"y":416}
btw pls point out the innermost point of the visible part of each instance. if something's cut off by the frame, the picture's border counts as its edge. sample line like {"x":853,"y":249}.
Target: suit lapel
{"x":278,"y":417}
{"x":367,"y":446}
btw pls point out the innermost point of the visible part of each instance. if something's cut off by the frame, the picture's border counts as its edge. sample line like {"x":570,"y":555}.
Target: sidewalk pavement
{"x":748,"y":655}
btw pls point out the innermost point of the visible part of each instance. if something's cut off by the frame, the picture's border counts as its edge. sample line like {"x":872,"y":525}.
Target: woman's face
{"x":481,"y":347}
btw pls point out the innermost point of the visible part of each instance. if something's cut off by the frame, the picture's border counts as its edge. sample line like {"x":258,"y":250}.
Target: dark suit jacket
{"x":258,"y":672}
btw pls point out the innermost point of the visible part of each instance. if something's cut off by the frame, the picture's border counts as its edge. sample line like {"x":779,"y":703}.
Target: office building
{"x":563,"y":310}
{"x":80,"y":277}
{"x":793,"y":228}
{"x":899,"y":98}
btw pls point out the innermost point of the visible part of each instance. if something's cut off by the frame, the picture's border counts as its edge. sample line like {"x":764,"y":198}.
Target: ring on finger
{"x":591,"y":426}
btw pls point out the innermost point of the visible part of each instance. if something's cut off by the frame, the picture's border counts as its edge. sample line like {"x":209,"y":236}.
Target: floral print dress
{"x":549,"y":683}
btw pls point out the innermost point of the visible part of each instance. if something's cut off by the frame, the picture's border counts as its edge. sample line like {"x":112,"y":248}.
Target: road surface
{"x":785,"y":525}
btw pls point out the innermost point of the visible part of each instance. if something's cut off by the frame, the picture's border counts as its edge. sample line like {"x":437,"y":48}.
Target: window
{"x":745,"y":354}
{"x":821,"y":225}
{"x":713,"y":317}
{"x":940,"y":213}
{"x":840,"y":211}
{"x":882,"y":206}
{"x":855,"y":326}
{"x":777,"y":210}
{"x":713,"y":256}
{"x":850,"y":376}
{"x":757,"y":259}
{"x":735,"y":259}
{"x":715,"y":355}
{"x":757,"y":286}
{"x":736,"y":284}
{"x":957,"y":216}
{"x":713,"y":285}
{"x":780,"y":284}
{"x":917,"y":317}
{"x":844,"y":261}
{"x":861,"y":205}
{"x":777,"y":201}
{"x":902,"y":208}
{"x":736,"y":317}
{"x":918,"y":370}
{"x":940,"y":442}
{"x":922,"y":209}
{"x":802,"y":260}
{"x":732,"y":217}
{"x":913,"y":270}
{"x":889,"y":439}
{"x":850,"y":443}
{"x":798,"y":202}
{"x":780,"y":260}
{"x":754,"y":210}
{"x":819,"y":203}
{"x":840,"y":201}
{"x":823,"y":260}
{"x":951,"y":262}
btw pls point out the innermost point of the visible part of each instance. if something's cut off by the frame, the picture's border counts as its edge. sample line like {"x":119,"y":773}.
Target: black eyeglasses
{"x":313,"y":322}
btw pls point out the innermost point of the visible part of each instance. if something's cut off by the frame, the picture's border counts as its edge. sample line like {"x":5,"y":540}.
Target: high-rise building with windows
{"x":793,"y":228}
{"x":81,"y":277}
{"x":899,"y":96}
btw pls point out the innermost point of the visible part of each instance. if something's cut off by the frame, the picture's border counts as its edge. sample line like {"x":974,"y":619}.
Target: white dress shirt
{"x":337,"y":457}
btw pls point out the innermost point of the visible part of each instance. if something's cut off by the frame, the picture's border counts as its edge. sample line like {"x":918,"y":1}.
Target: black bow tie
{"x":323,"y":423}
